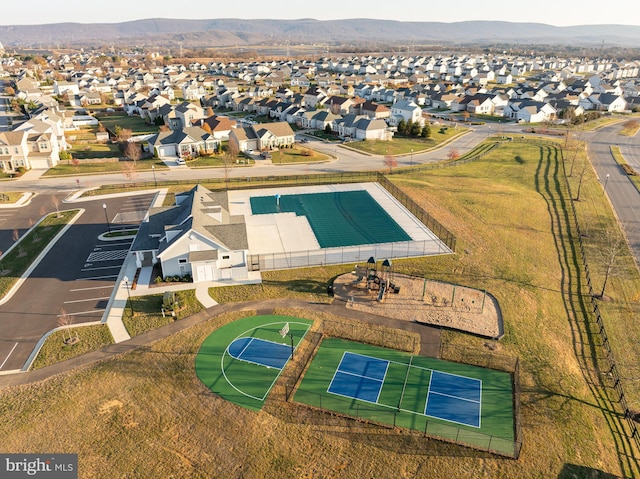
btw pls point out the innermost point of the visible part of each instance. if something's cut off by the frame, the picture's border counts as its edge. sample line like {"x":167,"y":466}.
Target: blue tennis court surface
{"x":260,"y":351}
{"x":359,"y":377}
{"x":454,"y":398}
{"x":449,"y":397}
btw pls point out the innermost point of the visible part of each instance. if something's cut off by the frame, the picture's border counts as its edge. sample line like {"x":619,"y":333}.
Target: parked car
{"x":180,"y":161}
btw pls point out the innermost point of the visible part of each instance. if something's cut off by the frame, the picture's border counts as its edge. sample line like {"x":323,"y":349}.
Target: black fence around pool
{"x":346,"y":254}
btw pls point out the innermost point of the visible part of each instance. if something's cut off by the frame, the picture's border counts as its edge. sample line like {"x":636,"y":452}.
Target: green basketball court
{"x":242,"y":360}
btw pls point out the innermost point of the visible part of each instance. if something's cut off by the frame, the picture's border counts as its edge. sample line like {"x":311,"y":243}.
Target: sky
{"x":553,"y":12}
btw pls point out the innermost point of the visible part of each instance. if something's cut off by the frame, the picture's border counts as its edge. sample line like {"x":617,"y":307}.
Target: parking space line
{"x":84,"y":312}
{"x":104,"y":267}
{"x":10,"y":353}
{"x":111,"y":276}
{"x":110,"y":286}
{"x":83,"y":300}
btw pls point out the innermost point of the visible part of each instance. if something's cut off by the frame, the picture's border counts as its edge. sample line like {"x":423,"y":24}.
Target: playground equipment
{"x":380,"y":281}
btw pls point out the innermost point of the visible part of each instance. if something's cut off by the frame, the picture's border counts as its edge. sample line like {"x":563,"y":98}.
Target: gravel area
{"x":423,"y":301}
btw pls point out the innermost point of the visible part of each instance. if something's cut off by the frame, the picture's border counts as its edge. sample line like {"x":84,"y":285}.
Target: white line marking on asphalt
{"x":83,"y":300}
{"x":88,"y":289}
{"x":7,"y":358}
{"x":83,"y":312}
{"x":113,"y":276}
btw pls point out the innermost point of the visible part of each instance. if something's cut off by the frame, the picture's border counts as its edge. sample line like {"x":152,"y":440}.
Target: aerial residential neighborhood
{"x":393,"y":247}
{"x":359,"y":97}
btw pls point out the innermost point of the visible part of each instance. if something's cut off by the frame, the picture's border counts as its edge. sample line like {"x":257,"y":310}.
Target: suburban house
{"x":186,"y":142}
{"x":263,"y":136}
{"x":405,"y":110}
{"x":36,"y":147}
{"x":220,"y":126}
{"x":196,"y":237}
{"x":530,"y":111}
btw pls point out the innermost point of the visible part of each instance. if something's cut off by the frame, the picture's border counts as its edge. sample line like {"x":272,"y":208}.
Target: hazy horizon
{"x":41,"y":12}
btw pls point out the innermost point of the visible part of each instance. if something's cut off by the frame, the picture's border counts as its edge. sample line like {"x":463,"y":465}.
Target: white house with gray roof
{"x":196,"y":237}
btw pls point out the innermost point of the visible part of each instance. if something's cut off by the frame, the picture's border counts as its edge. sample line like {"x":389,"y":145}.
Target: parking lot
{"x":75,"y":278}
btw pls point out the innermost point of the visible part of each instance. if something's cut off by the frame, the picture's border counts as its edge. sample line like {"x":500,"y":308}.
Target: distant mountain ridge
{"x":230,"y":32}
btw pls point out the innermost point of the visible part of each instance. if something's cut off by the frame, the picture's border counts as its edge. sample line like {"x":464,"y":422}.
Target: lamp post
{"x":106,"y":216}
{"x":606,"y":179}
{"x":411,"y":162}
{"x":153,"y":168}
{"x":126,"y":283}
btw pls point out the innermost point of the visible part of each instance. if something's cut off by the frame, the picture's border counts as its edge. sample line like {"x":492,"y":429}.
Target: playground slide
{"x":383,"y":289}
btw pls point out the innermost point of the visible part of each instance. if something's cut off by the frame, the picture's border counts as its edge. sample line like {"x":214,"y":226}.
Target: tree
{"x":402,"y":127}
{"x":228,"y":159}
{"x":613,"y":245}
{"x":390,"y":162}
{"x":65,"y":320}
{"x":129,"y":171}
{"x":76,"y":163}
{"x":407,"y":130}
{"x":415,"y":130}
{"x":327,"y":129}
{"x":426,"y":131}
{"x":123,"y":134}
{"x":132,"y":151}
{"x":453,"y":154}
{"x":16,"y":238}
{"x":64,"y":155}
{"x":55,"y":202}
{"x":581,"y":176}
{"x":465,"y":115}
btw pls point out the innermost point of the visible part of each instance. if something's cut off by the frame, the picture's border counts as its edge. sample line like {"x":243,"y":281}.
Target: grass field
{"x":403,"y":146}
{"x":63,"y":169}
{"x":147,"y":413}
{"x":134,"y":123}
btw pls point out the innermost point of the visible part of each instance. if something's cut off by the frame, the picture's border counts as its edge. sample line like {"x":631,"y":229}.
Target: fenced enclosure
{"x":347,"y":254}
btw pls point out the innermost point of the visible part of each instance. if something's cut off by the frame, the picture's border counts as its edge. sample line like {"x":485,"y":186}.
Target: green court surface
{"x":344,"y":218}
{"x":247,"y":381}
{"x":400,"y":398}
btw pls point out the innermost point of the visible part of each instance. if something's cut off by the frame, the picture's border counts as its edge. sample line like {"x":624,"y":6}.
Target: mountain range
{"x":237,"y":32}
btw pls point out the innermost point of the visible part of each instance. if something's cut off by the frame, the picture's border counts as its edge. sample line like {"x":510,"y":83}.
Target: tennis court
{"x":337,"y":218}
{"x":242,"y":360}
{"x":464,"y":403}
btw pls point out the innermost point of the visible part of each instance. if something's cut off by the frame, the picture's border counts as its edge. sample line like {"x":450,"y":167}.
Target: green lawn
{"x":147,"y":311}
{"x":55,"y":350}
{"x":134,"y":123}
{"x":84,"y":151}
{"x":107,"y":167}
{"x":285,"y":156}
{"x":404,"y":146}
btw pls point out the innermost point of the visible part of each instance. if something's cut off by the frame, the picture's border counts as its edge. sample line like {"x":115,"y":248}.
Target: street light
{"x":153,"y":168}
{"x":106,"y":216}
{"x":411,"y":162}
{"x":606,"y":179}
{"x":126,"y":283}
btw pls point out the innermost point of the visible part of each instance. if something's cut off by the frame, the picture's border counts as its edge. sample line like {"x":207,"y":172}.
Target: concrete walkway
{"x":429,"y":343}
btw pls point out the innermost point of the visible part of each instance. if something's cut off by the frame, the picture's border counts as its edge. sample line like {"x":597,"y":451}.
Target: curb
{"x":38,"y":258}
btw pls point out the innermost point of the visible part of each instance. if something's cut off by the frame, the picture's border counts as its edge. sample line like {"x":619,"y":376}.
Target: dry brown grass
{"x":145,"y":414}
